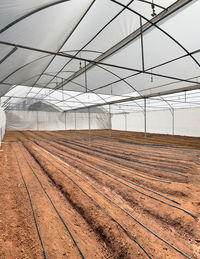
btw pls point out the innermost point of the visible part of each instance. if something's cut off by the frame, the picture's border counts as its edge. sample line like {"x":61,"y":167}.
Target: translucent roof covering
{"x":75,"y":54}
{"x":189,"y":99}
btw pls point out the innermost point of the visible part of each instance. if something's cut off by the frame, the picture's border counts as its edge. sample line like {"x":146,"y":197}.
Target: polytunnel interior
{"x":99,"y":129}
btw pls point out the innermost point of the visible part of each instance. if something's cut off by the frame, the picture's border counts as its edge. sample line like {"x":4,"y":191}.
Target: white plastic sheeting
{"x":186,"y":122}
{"x":2,"y":124}
{"x":38,"y":120}
{"x":92,"y":30}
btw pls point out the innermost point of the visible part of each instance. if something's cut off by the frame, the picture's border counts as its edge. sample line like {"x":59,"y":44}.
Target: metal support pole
{"x":125,"y":115}
{"x":86,"y":78}
{"x":89,"y":133}
{"x":37,"y":120}
{"x":172,"y":121}
{"x":1,"y":137}
{"x":142,"y":44}
{"x":75,"y":120}
{"x":65,"y":120}
{"x":110,"y":122}
{"x":145,"y":121}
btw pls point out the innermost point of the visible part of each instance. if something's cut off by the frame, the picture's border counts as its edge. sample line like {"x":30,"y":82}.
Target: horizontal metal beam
{"x":93,"y":62}
{"x":173,"y":8}
{"x":139,"y":97}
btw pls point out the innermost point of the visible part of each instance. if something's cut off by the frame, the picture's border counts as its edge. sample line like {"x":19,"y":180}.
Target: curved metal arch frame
{"x":60,"y":90}
{"x":146,"y":28}
{"x":157,"y":27}
{"x":94,"y":63}
{"x":94,"y":37}
{"x":31,"y":13}
{"x":111,"y":0}
{"x":63,"y":43}
{"x":127,"y":7}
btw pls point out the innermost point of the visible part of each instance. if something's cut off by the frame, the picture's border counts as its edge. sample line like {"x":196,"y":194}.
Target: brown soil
{"x":118,"y":197}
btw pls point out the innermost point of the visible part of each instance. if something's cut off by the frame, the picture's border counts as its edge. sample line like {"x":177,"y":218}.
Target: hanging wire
{"x":151,"y":77}
{"x":80,"y":64}
{"x":153,"y":9}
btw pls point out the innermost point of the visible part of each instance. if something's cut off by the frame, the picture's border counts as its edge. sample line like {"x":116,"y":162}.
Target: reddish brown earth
{"x":118,"y":197}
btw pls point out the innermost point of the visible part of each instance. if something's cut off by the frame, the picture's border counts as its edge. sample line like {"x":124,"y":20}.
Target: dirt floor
{"x":103,"y":194}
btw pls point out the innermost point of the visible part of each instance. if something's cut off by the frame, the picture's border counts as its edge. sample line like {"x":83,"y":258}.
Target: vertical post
{"x":1,"y":128}
{"x":65,"y":120}
{"x":1,"y":137}
{"x":75,"y":120}
{"x":89,"y":136}
{"x":110,"y":122}
{"x":172,"y":121}
{"x":125,"y":115}
{"x":37,"y":120}
{"x":142,"y":44}
{"x":145,"y":121}
{"x":85,"y":79}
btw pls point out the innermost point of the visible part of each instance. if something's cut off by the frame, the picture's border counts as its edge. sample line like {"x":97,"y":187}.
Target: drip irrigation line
{"x":125,"y":169}
{"x":98,"y":169}
{"x":142,"y":175}
{"x":184,"y":167}
{"x":106,"y":197}
{"x":53,"y":204}
{"x":124,"y":160}
{"x":130,"y":215}
{"x":142,"y":144}
{"x":99,"y":206}
{"x":140,"y":223}
{"x":148,"y":144}
{"x":31,"y":202}
{"x":166,"y":203}
{"x":159,"y":145}
{"x":128,"y":170}
{"x":133,"y":153}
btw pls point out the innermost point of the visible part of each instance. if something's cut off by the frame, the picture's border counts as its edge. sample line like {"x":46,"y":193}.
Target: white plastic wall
{"x":2,"y":124}
{"x":186,"y":122}
{"x":159,"y":122}
{"x":38,"y":120}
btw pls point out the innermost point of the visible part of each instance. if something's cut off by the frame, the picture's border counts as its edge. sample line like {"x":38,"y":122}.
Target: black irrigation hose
{"x":99,"y":206}
{"x":127,"y":213}
{"x":148,"y":144}
{"x":163,"y":240}
{"x":160,"y":145}
{"x":155,"y":152}
{"x":132,"y":153}
{"x":96,"y":168}
{"x":179,"y":208}
{"x":53,"y":205}
{"x":125,"y":142}
{"x":124,"y":160}
{"x":34,"y":215}
{"x":128,"y":161}
{"x":125,"y":168}
{"x":142,"y":175}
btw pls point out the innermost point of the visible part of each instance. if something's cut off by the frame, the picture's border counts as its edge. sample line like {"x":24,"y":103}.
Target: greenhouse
{"x":99,"y":128}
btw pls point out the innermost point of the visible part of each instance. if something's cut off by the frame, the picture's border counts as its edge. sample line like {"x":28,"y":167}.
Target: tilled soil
{"x":107,"y":196}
